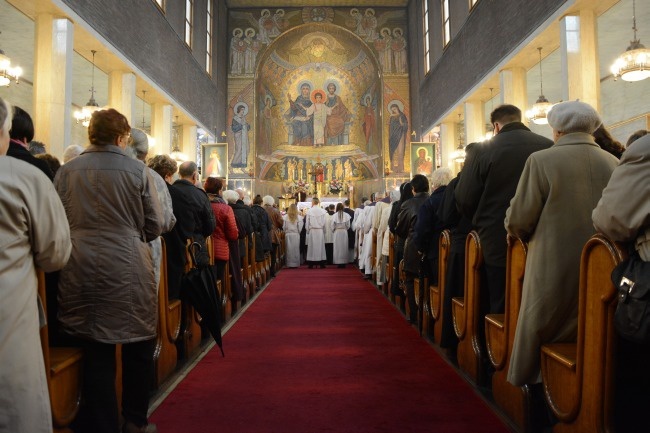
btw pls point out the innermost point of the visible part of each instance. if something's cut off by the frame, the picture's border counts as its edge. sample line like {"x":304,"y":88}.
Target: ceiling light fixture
{"x":83,"y":116}
{"x":539,"y":110}
{"x":8,"y":72}
{"x":633,"y":64}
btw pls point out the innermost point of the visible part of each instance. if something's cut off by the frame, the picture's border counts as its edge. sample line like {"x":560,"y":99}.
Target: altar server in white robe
{"x":356,"y":223}
{"x":340,"y":224}
{"x":292,"y":226}
{"x":381,"y":220}
{"x":315,"y":234}
{"x":368,"y":223}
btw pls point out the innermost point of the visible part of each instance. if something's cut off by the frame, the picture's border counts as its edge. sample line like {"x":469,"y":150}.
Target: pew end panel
{"x":578,"y":378}
{"x":437,"y":293}
{"x":470,"y":353}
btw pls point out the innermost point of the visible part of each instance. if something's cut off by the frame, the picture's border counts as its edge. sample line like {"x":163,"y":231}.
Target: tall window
{"x":425,"y":26}
{"x":208,"y":42}
{"x":189,"y":12}
{"x":161,"y":4}
{"x":446,"y":30}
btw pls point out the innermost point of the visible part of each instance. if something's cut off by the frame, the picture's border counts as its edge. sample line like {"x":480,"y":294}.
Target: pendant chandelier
{"x":8,"y":73}
{"x":634,"y":63}
{"x":83,"y":116}
{"x":539,"y":110}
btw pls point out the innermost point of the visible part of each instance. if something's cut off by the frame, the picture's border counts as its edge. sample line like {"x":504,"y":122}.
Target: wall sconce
{"x":223,"y":134}
{"x":413,"y":134}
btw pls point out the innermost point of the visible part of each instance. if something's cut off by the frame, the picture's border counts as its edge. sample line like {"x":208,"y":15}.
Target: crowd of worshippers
{"x":94,"y":225}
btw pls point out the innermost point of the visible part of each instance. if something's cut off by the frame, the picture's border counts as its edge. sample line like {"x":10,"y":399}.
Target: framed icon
{"x":423,"y":158}
{"x":214,"y":157}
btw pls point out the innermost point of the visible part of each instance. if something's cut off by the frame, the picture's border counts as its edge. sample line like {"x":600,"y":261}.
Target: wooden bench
{"x":437,"y":293}
{"x":578,"y":378}
{"x":500,"y":335}
{"x":390,"y":267}
{"x":466,"y":314}
{"x":169,"y":326}
{"x":422,"y":302}
{"x":64,"y":369}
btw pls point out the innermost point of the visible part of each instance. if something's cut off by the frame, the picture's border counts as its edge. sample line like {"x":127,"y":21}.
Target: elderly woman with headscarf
{"x":225,"y":232}
{"x":35,"y":234}
{"x":138,"y":148}
{"x":107,"y":291}
{"x":551,"y":210}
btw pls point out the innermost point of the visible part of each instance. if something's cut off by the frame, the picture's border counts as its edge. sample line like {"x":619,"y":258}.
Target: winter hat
{"x":574,"y":116}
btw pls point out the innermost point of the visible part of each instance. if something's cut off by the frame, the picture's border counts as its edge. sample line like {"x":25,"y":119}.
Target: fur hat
{"x":574,"y":116}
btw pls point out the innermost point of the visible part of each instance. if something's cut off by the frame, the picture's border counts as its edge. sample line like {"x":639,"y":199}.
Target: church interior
{"x":341,"y":100}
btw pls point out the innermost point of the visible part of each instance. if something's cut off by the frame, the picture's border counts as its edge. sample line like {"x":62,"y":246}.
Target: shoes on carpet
{"x":311,"y":266}
{"x":367,"y":277}
{"x":322,"y":266}
{"x":129,"y":427}
{"x":341,"y":266}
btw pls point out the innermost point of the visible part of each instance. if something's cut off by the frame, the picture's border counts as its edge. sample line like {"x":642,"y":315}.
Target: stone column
{"x":448,"y":144}
{"x":579,"y":58}
{"x":513,"y":88}
{"x":53,"y":52}
{"x":188,"y":142}
{"x":474,"y":123}
{"x":161,"y":126}
{"x":121,"y":95}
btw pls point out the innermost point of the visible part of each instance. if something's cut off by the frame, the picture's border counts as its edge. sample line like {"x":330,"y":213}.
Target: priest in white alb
{"x":315,"y":224}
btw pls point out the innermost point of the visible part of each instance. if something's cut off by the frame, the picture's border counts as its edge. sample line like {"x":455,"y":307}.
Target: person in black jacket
{"x":490,"y":177}
{"x":350,"y":212}
{"x":405,"y":229}
{"x":203,"y":222}
{"x":264,"y":227}
{"x":21,"y":134}
{"x":406,"y":193}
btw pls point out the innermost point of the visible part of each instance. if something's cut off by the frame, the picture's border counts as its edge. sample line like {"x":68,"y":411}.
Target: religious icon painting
{"x":422,"y":158}
{"x":214,"y":159}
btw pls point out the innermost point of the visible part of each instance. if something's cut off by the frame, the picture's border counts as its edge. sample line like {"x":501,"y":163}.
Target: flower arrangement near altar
{"x":336,"y":185}
{"x":301,"y":185}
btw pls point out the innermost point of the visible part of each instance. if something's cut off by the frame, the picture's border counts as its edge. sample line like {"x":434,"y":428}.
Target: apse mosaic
{"x":318,"y":85}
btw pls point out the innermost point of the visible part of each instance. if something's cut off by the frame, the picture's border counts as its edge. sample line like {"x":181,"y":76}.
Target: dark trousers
{"x":495,"y":281}
{"x":329,"y":253}
{"x":99,"y":412}
{"x":274,"y":252}
{"x":410,"y":296}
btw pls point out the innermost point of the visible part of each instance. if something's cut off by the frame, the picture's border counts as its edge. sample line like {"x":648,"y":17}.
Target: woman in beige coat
{"x":33,"y":232}
{"x":107,"y":291}
{"x":551,"y":209}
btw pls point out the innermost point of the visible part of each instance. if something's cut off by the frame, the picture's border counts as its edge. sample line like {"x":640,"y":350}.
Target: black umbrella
{"x":199,"y":287}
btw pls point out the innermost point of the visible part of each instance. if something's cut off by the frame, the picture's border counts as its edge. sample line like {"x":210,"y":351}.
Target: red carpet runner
{"x":321,"y":350}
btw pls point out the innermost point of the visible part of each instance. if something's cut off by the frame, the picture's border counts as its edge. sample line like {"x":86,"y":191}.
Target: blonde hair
{"x":292,"y":213}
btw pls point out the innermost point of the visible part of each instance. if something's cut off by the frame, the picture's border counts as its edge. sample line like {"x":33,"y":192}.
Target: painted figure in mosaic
{"x":265,"y":25}
{"x":279,"y":23}
{"x":252,"y":48}
{"x":335,"y":125}
{"x":338,"y":169}
{"x":240,"y":128}
{"x":319,"y":113}
{"x":356,"y":22}
{"x":266,"y":121}
{"x":398,"y":47}
{"x":302,"y":124}
{"x":369,"y":120}
{"x":398,"y":126}
{"x":370,"y":25}
{"x":291,"y":168}
{"x":301,"y":169}
{"x":237,"y":51}
{"x":330,"y":170}
{"x":384,"y":51}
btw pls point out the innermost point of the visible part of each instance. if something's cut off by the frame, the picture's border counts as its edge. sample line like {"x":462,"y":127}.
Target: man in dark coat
{"x":203,"y":222}
{"x":405,"y":229}
{"x":350,"y":212}
{"x":489,"y":181}
{"x":21,"y":134}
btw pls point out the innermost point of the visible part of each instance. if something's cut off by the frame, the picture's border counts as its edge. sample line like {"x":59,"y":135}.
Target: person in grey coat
{"x":551,"y":210}
{"x":107,"y":291}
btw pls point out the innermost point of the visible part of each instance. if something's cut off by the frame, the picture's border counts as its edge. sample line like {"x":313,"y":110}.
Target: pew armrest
{"x":65,"y":384}
{"x":458,"y":316}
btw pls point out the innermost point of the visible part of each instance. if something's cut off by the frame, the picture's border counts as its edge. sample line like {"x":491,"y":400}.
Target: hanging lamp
{"x":634,"y":63}
{"x":539,"y":110}
{"x":8,"y":73}
{"x":83,"y":116}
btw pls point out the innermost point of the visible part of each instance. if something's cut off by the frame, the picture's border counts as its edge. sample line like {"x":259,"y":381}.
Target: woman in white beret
{"x":551,"y":209}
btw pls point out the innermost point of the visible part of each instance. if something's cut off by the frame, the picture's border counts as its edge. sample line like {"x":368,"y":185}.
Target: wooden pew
{"x":466,"y":314}
{"x":578,"y":377}
{"x":419,"y":287}
{"x":63,"y":367}
{"x":437,"y":293}
{"x":252,"y":273}
{"x":169,"y":326}
{"x":500,"y":335}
